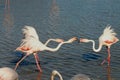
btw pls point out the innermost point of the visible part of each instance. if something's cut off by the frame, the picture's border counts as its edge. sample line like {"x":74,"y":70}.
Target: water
{"x":60,"y":19}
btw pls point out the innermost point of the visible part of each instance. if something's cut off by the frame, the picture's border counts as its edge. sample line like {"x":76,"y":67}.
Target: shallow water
{"x":60,"y":19}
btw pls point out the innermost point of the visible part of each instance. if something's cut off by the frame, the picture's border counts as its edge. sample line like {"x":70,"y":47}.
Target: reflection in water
{"x":39,"y":76}
{"x":54,"y":15}
{"x":109,"y":73}
{"x":0,"y":2}
{"x":8,"y":18}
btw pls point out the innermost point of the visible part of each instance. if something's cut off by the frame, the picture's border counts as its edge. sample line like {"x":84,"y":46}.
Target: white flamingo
{"x":76,"y":77}
{"x":107,"y":38}
{"x":32,"y":45}
{"x":7,"y":73}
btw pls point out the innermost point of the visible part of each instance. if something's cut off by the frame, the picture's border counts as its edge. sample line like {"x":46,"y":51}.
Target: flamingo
{"x":7,"y":73}
{"x":32,"y":45}
{"x":76,"y":77}
{"x":107,"y":38}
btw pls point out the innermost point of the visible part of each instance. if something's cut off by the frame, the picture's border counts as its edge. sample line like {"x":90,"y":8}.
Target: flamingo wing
{"x":30,"y":31}
{"x":109,"y":32}
{"x":108,"y":36}
{"x":31,"y":41}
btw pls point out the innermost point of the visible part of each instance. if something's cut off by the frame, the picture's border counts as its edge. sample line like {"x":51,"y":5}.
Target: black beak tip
{"x":78,"y":40}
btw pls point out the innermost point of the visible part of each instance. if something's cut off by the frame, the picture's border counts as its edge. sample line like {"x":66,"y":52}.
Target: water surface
{"x":60,"y":19}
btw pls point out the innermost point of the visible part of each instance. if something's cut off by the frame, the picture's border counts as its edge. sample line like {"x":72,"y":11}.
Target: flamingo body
{"x":108,"y":37}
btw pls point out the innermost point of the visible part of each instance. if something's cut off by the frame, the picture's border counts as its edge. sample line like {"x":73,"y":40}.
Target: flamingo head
{"x":59,"y":40}
{"x":73,"y":39}
{"x":84,"y":40}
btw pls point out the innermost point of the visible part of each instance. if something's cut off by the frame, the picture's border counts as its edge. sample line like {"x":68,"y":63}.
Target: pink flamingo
{"x":32,"y":45}
{"x":107,"y":38}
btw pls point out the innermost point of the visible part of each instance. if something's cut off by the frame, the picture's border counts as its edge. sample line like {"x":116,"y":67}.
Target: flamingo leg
{"x":109,"y":55}
{"x":108,"y":58}
{"x":103,"y":61}
{"x":17,"y":64}
{"x":37,"y":62}
{"x":37,"y":57}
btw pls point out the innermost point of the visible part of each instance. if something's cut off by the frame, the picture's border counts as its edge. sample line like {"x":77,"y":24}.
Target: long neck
{"x":99,"y":47}
{"x":56,"y":73}
{"x":55,"y":49}
{"x":49,"y":41}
